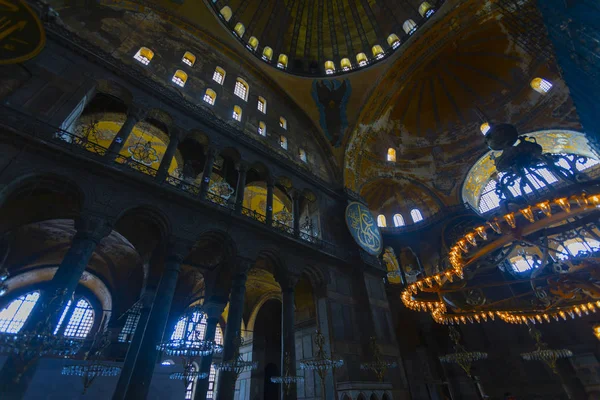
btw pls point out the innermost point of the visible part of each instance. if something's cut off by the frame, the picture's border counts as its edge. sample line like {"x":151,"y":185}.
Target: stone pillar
{"x":213,"y":309}
{"x":241,"y":184}
{"x":134,"y":346}
{"x":211,"y":154}
{"x":90,"y":230}
{"x":134,"y":115}
{"x":226,"y":386}
{"x":165,"y":163}
{"x":296,"y":210}
{"x":270,"y":186}
{"x":288,"y":342}
{"x":139,"y":383}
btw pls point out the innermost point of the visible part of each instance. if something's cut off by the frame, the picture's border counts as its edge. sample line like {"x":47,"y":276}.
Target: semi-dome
{"x":318,"y":37}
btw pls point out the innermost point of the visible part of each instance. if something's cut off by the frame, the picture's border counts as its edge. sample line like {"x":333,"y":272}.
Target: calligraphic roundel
{"x":21,"y":33}
{"x":363,"y":228}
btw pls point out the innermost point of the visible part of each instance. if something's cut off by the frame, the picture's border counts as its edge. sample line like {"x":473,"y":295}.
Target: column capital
{"x":287,"y":280}
{"x":212,"y":151}
{"x":177,"y":133}
{"x":241,"y":266}
{"x":92,"y":226}
{"x":214,"y":307}
{"x":137,"y":111}
{"x":242,"y":166}
{"x":270,"y":182}
{"x":178,"y":249}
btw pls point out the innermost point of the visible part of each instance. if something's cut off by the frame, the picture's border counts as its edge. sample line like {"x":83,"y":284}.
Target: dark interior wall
{"x":266,"y":350}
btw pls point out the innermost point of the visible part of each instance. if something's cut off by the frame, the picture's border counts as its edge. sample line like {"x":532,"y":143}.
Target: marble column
{"x":139,"y":383}
{"x":241,"y":185}
{"x":134,"y":115}
{"x":165,"y":163}
{"x":211,"y":154}
{"x":288,"y":342}
{"x":134,"y":346}
{"x":16,"y":374}
{"x":226,"y":385}
{"x":213,"y":310}
{"x":296,"y":210}
{"x":270,"y":186}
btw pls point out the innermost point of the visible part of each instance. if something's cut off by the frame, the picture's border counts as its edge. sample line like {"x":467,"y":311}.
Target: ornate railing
{"x":254,"y":215}
{"x":216,"y":199}
{"x":183,"y":185}
{"x":289,"y":230}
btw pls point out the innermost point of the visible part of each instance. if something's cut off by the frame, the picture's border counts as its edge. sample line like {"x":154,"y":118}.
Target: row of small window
{"x":415,"y":215}
{"x":241,"y":89}
{"x":540,"y":85}
{"x":426,"y":10}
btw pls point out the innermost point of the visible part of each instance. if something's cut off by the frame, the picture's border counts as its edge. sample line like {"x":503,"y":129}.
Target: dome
{"x":313,"y":34}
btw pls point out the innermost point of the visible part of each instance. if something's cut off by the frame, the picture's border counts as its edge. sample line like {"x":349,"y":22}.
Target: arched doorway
{"x":266,"y":349}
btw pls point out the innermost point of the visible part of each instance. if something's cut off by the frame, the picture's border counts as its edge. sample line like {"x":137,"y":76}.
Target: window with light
{"x":302,"y":155}
{"x":485,"y":128}
{"x":426,"y":10}
{"x":262,"y":105}
{"x":133,"y":317}
{"x":283,"y":142}
{"x":576,"y":247}
{"x":239,"y":29}
{"x":13,"y":317}
{"x":226,"y":13}
{"x":212,"y":379}
{"x":262,"y":129}
{"x":282,"y":61}
{"x":346,"y":64}
{"x":241,"y":89}
{"x":283,"y":123}
{"x":189,"y":59}
{"x":523,"y":263}
{"x":409,"y":26}
{"x":252,"y":43}
{"x":144,"y":55}
{"x":391,"y":154}
{"x":393,"y":41}
{"x":210,"y":96}
{"x":541,"y":85}
{"x":267,"y":54}
{"x":398,"y":220}
{"x":416,"y":215}
{"x":179,"y":78}
{"x":219,"y":75}
{"x":361,"y":59}
{"x":329,"y":67}
{"x":381,"y":221}
{"x":190,"y":386}
{"x":377,"y":51}
{"x":80,"y":319}
{"x":237,"y":113}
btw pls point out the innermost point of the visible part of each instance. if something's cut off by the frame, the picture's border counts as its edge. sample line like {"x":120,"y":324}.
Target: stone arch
{"x":114,"y":89}
{"x":361,"y":396}
{"x":386,"y":396}
{"x":318,"y":278}
{"x":347,"y":397}
{"x":373,"y":396}
{"x":212,"y":248}
{"x":259,"y":303}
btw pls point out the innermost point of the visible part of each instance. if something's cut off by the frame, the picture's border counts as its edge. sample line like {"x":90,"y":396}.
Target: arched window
{"x":267,"y":54}
{"x":409,"y":26}
{"x":191,"y":385}
{"x":252,"y":43}
{"x":398,"y":220}
{"x":262,"y":129}
{"x":391,"y":154}
{"x":484,"y":128}
{"x":377,"y":51}
{"x":262,"y":105}
{"x":283,"y":123}
{"x":239,"y":29}
{"x":179,"y":78}
{"x":393,"y":41}
{"x":13,"y":317}
{"x":329,"y":67}
{"x":282,"y":61}
{"x":81,"y":319}
{"x":226,"y":13}
{"x":283,"y":142}
{"x":241,"y":89}
{"x":212,"y":378}
{"x":426,"y":10}
{"x":186,"y":326}
{"x":133,"y":317}
{"x":361,"y":59}
{"x":346,"y":64}
{"x":302,"y":155}
{"x":522,"y":263}
{"x":381,"y":221}
{"x":577,"y":247}
{"x":541,"y":85}
{"x":189,"y":59}
{"x":237,"y":113}
{"x":144,"y":55}
{"x":219,"y":75}
{"x":416,"y":215}
{"x":210,"y":96}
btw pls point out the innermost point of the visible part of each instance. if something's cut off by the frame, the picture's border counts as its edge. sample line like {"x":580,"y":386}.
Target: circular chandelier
{"x":287,"y":380}
{"x":378,"y":365}
{"x":535,"y":259}
{"x":543,"y":352}
{"x":461,"y":356}
{"x":237,"y":364}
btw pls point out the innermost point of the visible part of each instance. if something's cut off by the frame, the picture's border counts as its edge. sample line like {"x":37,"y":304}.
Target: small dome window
{"x":241,"y":89}
{"x":426,"y":10}
{"x":393,"y":41}
{"x":262,"y":129}
{"x":219,"y":75}
{"x":237,"y":113}
{"x":409,"y":26}
{"x":361,"y":59}
{"x":210,"y":96}
{"x":179,"y":78}
{"x":262,"y":105}
{"x":485,"y":127}
{"x":302,"y":155}
{"x":329,"y":67}
{"x":346,"y":64}
{"x":267,"y":54}
{"x":283,"y":142}
{"x":239,"y":29}
{"x":391,"y":154}
{"x":416,"y":215}
{"x":377,"y":51}
{"x":283,"y":123}
{"x":381,"y":221}
{"x":398,"y":220}
{"x":541,"y":85}
{"x":252,"y":43}
{"x":144,"y":55}
{"x":226,"y":13}
{"x":282,"y":61}
{"x":189,"y":59}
